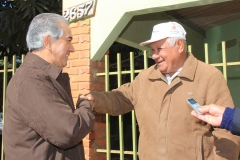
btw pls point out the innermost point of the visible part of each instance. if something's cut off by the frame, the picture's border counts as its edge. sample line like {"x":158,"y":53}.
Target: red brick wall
{"x":81,"y":70}
{"x":96,"y":139}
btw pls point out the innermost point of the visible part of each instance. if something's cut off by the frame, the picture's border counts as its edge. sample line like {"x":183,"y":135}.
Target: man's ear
{"x":47,"y":42}
{"x":180,"y":45}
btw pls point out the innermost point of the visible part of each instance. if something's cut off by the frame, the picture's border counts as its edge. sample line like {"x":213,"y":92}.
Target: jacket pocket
{"x":204,"y":147}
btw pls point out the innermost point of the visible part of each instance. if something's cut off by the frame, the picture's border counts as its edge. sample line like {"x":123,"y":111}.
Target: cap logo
{"x":173,"y":27}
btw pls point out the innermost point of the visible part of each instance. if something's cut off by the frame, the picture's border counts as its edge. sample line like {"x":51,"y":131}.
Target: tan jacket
{"x":167,"y":129}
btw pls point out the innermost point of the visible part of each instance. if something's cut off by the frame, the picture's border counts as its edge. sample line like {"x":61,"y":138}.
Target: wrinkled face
{"x":167,"y":58}
{"x":62,"y":47}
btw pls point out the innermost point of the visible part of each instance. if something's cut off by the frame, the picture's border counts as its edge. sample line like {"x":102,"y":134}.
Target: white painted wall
{"x":112,"y":16}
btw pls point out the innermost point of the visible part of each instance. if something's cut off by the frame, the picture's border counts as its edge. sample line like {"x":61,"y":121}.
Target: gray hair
{"x":172,"y":40}
{"x":42,"y":25}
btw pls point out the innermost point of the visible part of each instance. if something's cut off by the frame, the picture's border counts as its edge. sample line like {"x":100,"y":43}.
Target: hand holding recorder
{"x":211,"y":114}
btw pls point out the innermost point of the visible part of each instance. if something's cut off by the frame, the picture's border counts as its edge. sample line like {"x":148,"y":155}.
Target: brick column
{"x":81,"y":70}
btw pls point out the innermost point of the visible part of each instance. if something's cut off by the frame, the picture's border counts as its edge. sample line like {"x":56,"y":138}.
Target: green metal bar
{"x":14,"y":65}
{"x":228,"y":64}
{"x":9,"y":70}
{"x":233,"y":63}
{"x":120,"y":117}
{"x":114,"y":151}
{"x":108,"y":156}
{"x":206,"y":53}
{"x":5,"y":74}
{"x":224,"y":60}
{"x":23,"y":57}
{"x":115,"y":73}
{"x":145,"y":59}
{"x":134,"y":130}
{"x":190,"y":48}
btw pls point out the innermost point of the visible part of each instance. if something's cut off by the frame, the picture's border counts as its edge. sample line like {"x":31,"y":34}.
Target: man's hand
{"x":88,"y":97}
{"x":211,"y":114}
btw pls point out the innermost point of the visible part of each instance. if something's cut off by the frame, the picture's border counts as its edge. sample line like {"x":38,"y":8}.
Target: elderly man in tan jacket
{"x":158,"y":96}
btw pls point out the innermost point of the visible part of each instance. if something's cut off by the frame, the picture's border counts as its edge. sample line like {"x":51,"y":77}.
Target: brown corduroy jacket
{"x":41,"y":122}
{"x":167,"y":129}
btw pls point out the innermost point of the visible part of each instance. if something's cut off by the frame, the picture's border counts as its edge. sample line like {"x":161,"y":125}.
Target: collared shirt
{"x":169,"y":79}
{"x":41,"y":122}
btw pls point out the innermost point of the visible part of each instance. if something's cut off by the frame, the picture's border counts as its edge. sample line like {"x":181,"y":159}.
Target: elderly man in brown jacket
{"x":158,"y":96}
{"x":41,"y":121}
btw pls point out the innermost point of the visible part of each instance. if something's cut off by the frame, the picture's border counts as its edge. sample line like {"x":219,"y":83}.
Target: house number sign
{"x":80,"y":11}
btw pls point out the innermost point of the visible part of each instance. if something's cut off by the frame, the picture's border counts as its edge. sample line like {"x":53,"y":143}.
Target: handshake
{"x":88,"y":97}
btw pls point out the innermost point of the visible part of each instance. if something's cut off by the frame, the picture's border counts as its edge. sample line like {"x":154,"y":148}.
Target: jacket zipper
{"x":167,"y":123}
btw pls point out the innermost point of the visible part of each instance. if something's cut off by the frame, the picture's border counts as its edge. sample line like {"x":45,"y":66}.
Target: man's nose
{"x":154,"y":56}
{"x":71,"y":48}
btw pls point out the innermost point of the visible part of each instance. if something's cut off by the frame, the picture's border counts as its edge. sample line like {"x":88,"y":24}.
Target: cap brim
{"x":147,"y":42}
{"x":151,"y":41}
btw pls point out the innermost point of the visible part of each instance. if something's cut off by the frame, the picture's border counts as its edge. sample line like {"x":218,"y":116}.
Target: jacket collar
{"x":189,"y":67}
{"x":43,"y":65}
{"x":188,"y":70}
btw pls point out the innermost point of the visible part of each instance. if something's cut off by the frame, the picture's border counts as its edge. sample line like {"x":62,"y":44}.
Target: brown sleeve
{"x":113,"y":102}
{"x":43,"y":108}
{"x":120,"y":100}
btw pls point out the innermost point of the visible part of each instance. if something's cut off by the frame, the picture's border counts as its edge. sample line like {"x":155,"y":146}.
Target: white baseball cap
{"x":165,"y":30}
